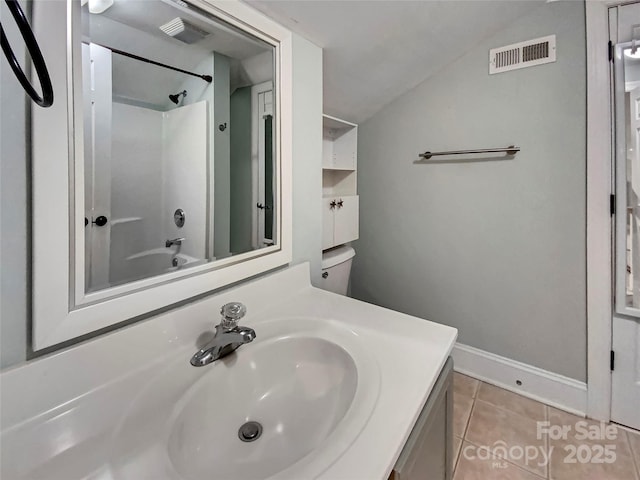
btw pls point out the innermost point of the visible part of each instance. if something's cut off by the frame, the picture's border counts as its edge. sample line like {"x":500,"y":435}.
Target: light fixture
{"x":99,"y":6}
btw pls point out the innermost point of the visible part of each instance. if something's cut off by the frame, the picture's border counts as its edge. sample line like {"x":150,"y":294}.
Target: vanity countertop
{"x":69,"y":407}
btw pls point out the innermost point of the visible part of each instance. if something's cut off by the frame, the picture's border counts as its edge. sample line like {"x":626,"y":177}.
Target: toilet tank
{"x":336,"y":268}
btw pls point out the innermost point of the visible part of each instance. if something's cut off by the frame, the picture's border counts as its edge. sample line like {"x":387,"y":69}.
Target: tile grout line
{"x":547,"y":441}
{"x":463,"y":438}
{"x":475,"y":398}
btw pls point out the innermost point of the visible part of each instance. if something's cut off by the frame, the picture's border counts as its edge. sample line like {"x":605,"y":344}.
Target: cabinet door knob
{"x":340,"y":203}
{"x":333,"y":204}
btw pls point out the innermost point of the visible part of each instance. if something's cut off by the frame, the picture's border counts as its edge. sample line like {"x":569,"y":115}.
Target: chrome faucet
{"x":228,"y":337}
{"x":174,"y":241}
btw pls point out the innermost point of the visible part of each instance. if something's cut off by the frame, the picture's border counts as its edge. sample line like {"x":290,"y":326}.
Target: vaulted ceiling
{"x":376,"y":50}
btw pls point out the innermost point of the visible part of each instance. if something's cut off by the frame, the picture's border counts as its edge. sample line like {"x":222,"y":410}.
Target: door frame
{"x":599,"y":219}
{"x":256,"y":91}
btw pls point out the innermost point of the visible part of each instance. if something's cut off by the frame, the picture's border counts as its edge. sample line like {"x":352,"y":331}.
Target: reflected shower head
{"x":175,"y":98}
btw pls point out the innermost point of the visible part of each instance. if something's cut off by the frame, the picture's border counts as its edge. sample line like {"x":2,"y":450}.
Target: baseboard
{"x":533,"y":382}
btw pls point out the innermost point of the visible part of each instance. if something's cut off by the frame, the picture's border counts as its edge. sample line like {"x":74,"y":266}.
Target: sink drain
{"x":250,"y":431}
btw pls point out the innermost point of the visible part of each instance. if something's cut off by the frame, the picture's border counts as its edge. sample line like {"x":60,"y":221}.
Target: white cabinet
{"x":339,"y":220}
{"x":339,"y":182}
{"x":339,"y":143}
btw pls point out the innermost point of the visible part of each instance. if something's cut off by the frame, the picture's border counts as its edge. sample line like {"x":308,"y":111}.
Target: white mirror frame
{"x":61,"y":308}
{"x":621,"y":186}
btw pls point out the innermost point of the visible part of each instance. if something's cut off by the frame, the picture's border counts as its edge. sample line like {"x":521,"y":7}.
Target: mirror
{"x":123,"y":141}
{"x":627,"y":125}
{"x":178,"y":136}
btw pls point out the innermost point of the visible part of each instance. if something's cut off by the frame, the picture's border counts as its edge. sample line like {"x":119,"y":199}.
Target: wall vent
{"x":524,"y":54}
{"x":184,"y":31}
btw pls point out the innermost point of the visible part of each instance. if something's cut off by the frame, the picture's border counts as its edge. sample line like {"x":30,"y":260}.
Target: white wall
{"x":136,"y":180}
{"x":307,"y":155}
{"x":495,"y":248}
{"x":184,"y":176}
{"x":199,"y":90}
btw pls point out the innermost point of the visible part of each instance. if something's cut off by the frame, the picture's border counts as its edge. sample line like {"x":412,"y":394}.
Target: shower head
{"x":175,"y":98}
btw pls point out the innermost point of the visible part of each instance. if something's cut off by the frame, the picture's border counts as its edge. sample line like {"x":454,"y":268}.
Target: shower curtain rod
{"x":206,"y":78}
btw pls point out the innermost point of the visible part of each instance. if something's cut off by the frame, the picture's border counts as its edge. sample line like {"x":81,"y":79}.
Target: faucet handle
{"x":231,"y":313}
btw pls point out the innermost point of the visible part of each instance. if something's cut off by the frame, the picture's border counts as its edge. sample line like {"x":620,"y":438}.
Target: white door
{"x":97,"y":113}
{"x":625,"y":376}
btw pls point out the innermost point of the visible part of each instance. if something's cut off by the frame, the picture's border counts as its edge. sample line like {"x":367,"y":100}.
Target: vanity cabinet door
{"x":428,"y":453}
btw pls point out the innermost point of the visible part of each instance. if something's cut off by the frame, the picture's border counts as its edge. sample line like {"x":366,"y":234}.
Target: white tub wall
{"x":496,"y":249}
{"x":136,"y":175}
{"x":184,"y":176}
{"x":197,"y":91}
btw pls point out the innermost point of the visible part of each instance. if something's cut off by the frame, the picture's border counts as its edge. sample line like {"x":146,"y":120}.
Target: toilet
{"x":336,"y":268}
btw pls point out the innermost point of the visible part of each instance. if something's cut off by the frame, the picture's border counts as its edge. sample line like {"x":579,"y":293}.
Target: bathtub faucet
{"x":228,"y":337}
{"x":174,"y":241}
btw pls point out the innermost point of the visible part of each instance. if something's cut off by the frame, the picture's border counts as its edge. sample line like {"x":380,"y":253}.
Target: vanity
{"x":337,"y":386}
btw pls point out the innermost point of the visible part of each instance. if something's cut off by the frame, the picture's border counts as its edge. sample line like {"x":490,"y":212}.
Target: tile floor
{"x":496,"y":436}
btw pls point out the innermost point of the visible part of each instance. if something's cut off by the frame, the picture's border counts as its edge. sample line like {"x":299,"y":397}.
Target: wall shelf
{"x":339,"y":181}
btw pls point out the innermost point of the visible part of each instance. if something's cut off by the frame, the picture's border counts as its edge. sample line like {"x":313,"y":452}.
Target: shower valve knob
{"x":340,"y":203}
{"x":333,"y":204}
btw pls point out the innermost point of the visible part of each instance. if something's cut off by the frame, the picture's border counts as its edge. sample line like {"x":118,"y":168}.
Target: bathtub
{"x":149,"y":263}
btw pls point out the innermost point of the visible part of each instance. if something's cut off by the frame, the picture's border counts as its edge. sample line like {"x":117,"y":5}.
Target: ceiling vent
{"x":184,"y":31}
{"x":524,"y":54}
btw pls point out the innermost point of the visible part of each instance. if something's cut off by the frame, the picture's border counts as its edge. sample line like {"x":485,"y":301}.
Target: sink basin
{"x":307,"y":383}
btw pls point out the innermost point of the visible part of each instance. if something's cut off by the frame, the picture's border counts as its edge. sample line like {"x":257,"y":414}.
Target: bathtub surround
{"x":199,"y":91}
{"x":495,"y":248}
{"x":151,"y":180}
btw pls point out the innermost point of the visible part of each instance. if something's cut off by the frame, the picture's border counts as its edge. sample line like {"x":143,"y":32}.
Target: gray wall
{"x":14,"y":213}
{"x":241,"y":194}
{"x":495,"y":248}
{"x":307,"y":192}
{"x":221,"y":166}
